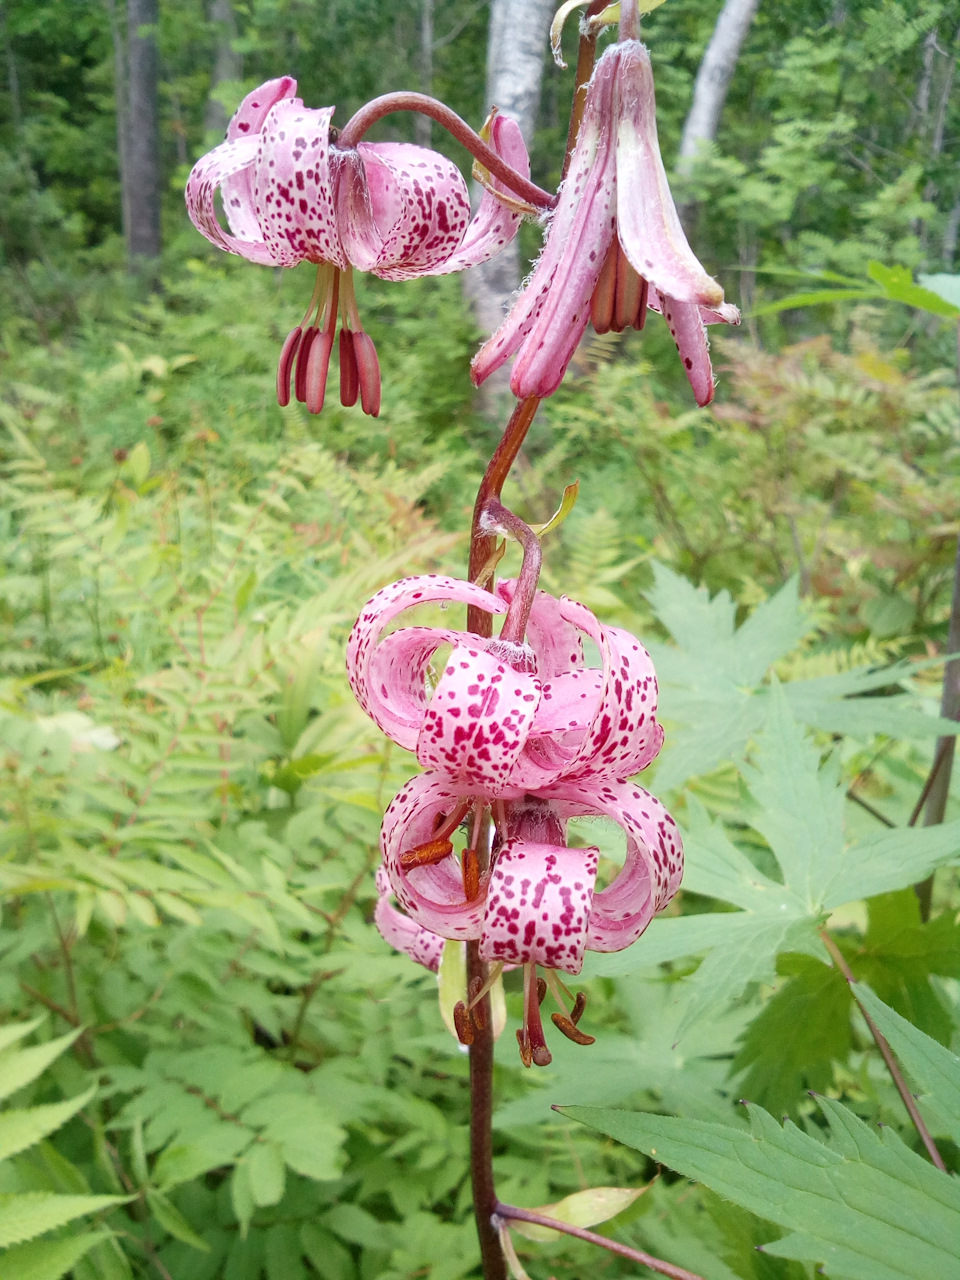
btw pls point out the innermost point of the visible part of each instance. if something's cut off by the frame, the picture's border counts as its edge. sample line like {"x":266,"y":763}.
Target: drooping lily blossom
{"x":615,"y":246}
{"x":506,"y":718}
{"x":401,"y":932}
{"x":394,"y":209}
{"x":538,"y":903}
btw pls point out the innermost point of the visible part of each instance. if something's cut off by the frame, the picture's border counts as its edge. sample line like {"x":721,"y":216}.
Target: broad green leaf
{"x":935,"y":1069}
{"x":863,"y":1206}
{"x":32,"y":1213}
{"x":266,"y":1173}
{"x":944,"y":286}
{"x":47,"y":1259}
{"x":18,"y":1067}
{"x":897,"y":283}
{"x":309,"y":1138}
{"x":582,"y":1209}
{"x":220,"y":1144}
{"x":21,"y":1129}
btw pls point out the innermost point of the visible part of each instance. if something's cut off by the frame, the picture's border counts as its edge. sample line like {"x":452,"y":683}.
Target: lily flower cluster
{"x":516,"y":739}
{"x":290,"y":195}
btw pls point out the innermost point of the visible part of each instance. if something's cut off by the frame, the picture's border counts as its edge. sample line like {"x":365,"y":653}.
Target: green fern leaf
{"x":24,"y":1216}
{"x":47,"y":1259}
{"x":21,"y":1129}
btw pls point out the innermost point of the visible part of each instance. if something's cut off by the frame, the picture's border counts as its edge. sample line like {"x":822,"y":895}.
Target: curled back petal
{"x":478,"y":721}
{"x":538,"y":905}
{"x":237,"y":191}
{"x":294,"y":185}
{"x":494,"y":225}
{"x":406,"y":935}
{"x":684,"y":321}
{"x":547,"y":320}
{"x":555,"y":642}
{"x":653,"y":865}
{"x":209,"y":173}
{"x":647,"y":219}
{"x":388,"y":677}
{"x":403,"y":209}
{"x":624,"y":735}
{"x":431,"y":895}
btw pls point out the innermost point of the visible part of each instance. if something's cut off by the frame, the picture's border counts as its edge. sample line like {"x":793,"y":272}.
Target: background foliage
{"x":210,"y":1064}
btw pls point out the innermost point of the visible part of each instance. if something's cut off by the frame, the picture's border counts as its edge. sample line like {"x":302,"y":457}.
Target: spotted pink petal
{"x":212,"y":171}
{"x":538,"y":905}
{"x":548,"y":319}
{"x":405,"y":934}
{"x":237,"y":192}
{"x":556,"y":643}
{"x":647,"y":220}
{"x":654,"y":862}
{"x":494,"y":225}
{"x":403,"y":209}
{"x":478,"y":721}
{"x":295,"y":185}
{"x":388,"y":677}
{"x":431,"y":895}
{"x":689,"y":333}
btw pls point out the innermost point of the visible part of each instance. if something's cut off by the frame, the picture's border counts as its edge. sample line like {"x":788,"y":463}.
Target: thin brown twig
{"x":591,"y":1237}
{"x":865,"y":804}
{"x":887,"y":1053}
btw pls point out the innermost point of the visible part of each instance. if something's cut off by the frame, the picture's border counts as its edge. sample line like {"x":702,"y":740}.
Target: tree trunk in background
{"x":713,"y":78}
{"x":227,"y":65}
{"x":516,"y":49}
{"x":141,"y":173}
{"x":422,"y":132}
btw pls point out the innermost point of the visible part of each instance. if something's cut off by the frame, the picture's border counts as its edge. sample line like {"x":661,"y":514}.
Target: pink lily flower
{"x":538,"y":904}
{"x":615,"y":246}
{"x":397,"y":210}
{"x":402,"y":933}
{"x":505,"y":718}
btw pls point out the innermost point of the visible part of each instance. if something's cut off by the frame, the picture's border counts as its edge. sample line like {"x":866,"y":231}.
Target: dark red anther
{"x":533,"y":1038}
{"x":628,"y":294}
{"x":461,"y":1020}
{"x":570,"y":1030}
{"x":310,"y":336}
{"x":641,"y":319}
{"x":526,"y":1054}
{"x":541,"y":990}
{"x":578,"y":1007}
{"x":349,"y":373}
{"x":470,"y":868}
{"x":287,"y":353}
{"x":604,"y":293}
{"x":368,"y":369}
{"x":318,"y":362}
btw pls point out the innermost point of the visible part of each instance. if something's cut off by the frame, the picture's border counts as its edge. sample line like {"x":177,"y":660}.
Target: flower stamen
{"x":533,"y":1045}
{"x":426,"y":855}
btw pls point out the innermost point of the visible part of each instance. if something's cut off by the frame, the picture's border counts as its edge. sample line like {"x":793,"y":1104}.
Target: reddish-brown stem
{"x":634,"y":1255}
{"x":481,"y":1129}
{"x":482,"y":544}
{"x":887,"y":1053}
{"x":497,"y":517}
{"x":586,"y":57}
{"x":377,"y":108}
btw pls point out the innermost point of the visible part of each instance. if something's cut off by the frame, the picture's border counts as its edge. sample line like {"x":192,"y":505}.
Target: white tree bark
{"x":516,"y":49}
{"x":713,"y":78}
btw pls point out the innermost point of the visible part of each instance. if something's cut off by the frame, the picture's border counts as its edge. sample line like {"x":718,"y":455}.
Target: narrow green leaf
{"x":18,"y":1067}
{"x":266,"y":1172}
{"x":47,"y":1259}
{"x":16,"y":1031}
{"x":21,"y":1129}
{"x":31,"y":1214}
{"x":173,"y":1221}
{"x":582,"y":1209}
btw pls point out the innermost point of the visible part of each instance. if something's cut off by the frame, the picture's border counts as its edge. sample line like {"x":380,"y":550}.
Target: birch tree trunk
{"x":141,"y":173}
{"x":227,"y":65}
{"x":516,"y":48}
{"x":713,"y":79}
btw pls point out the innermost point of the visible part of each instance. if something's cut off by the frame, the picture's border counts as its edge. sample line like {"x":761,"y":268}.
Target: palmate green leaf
{"x":799,"y":809}
{"x":935,"y":1069}
{"x":21,"y":1129}
{"x":47,"y":1259}
{"x":31,"y":1213}
{"x":864,"y":1207}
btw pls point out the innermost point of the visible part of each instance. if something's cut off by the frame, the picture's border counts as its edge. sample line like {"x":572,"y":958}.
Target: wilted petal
{"x":389,"y":678}
{"x":538,"y":905}
{"x":403,"y":209}
{"x":478,"y":721}
{"x":405,"y":934}
{"x":432,"y":895}
{"x":294,"y":186}
{"x":653,"y":865}
{"x":548,"y":319}
{"x":237,"y":191}
{"x":647,"y":220}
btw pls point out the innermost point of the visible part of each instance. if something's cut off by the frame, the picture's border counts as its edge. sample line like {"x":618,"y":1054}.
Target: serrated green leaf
{"x":173,"y":1221}
{"x":18,"y":1067}
{"x":218,"y":1145}
{"x":582,"y":1209}
{"x":934,"y":1068}
{"x":897,"y":283}
{"x":15,"y":1031}
{"x":865,"y":1208}
{"x":47,"y":1259}
{"x":32,"y":1213}
{"x":21,"y":1129}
